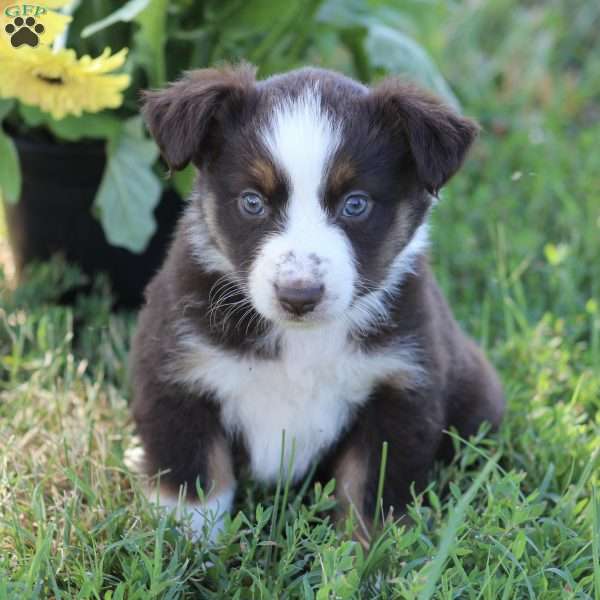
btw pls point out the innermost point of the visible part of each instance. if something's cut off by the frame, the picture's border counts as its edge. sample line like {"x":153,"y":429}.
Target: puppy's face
{"x":311,"y":186}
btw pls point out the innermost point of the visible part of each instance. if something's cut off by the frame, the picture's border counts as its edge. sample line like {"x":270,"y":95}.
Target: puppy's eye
{"x":356,"y":205}
{"x":252,"y":204}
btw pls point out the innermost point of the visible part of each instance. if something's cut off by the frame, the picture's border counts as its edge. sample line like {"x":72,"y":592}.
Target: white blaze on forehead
{"x":302,"y":138}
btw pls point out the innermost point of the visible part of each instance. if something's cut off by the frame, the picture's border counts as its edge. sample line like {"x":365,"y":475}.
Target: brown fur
{"x":438,"y":138}
{"x":350,"y":470}
{"x":341,"y":174}
{"x":180,"y":118}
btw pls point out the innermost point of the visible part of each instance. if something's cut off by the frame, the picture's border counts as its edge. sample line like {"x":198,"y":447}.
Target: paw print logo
{"x":24,"y":31}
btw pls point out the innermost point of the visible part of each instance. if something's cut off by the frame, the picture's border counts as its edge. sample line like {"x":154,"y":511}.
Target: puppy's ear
{"x":180,"y":116}
{"x":438,"y":137}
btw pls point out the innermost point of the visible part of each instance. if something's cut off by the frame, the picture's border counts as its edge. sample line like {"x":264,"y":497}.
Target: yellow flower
{"x":49,"y":23}
{"x":61,"y":84}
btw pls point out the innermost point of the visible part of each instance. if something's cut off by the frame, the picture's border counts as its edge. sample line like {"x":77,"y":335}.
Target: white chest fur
{"x":310,"y":391}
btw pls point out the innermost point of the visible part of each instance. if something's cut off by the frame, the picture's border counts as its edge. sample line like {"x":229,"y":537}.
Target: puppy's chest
{"x":311,"y":402}
{"x":310,"y":392}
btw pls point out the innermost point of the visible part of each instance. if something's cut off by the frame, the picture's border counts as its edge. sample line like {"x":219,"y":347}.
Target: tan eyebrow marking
{"x":264,"y":173}
{"x":341,"y":173}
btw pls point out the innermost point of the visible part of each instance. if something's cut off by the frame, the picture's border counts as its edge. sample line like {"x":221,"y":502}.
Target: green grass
{"x":517,"y":250}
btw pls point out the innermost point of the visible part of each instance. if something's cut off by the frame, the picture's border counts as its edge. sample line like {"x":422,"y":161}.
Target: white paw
{"x":135,"y":457}
{"x":199,"y":520}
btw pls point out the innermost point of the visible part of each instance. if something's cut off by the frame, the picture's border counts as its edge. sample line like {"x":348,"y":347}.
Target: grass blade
{"x":433,"y":571}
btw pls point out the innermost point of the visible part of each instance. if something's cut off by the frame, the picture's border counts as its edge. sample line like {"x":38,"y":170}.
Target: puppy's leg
{"x":185,"y":445}
{"x":218,"y":485}
{"x":475,"y":395}
{"x":412,"y":423}
{"x":350,"y":468}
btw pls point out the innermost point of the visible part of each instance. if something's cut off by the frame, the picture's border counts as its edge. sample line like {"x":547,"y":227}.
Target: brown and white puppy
{"x":297,"y":296}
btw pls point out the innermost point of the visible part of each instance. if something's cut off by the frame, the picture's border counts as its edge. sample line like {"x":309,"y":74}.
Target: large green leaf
{"x":91,"y":126}
{"x":395,"y":52}
{"x":374,"y":33}
{"x":10,"y":170}
{"x":6,"y":105}
{"x":103,"y":125}
{"x":126,"y":13}
{"x":129,"y":190}
{"x":32,"y":115}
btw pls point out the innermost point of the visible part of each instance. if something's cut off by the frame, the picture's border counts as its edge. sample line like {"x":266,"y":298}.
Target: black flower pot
{"x":54,"y":215}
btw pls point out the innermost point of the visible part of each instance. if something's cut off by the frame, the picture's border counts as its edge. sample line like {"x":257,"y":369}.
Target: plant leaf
{"x":92,"y":126}
{"x":126,"y":13}
{"x":103,"y":125}
{"x":344,"y":14}
{"x":10,"y":170}
{"x":6,"y":106}
{"x":129,"y":190}
{"x":32,"y":115}
{"x":251,"y":16}
{"x":395,"y":52}
{"x":150,"y":41}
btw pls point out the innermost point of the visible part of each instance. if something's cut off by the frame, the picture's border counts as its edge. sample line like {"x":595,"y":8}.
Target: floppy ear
{"x":438,"y":137}
{"x":179,"y":117}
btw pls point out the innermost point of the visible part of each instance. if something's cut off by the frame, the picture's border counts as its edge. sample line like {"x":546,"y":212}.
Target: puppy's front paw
{"x":199,"y":520}
{"x":135,"y":457}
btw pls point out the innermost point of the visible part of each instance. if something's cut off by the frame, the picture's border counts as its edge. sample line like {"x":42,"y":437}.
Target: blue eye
{"x":356,"y":204}
{"x":252,"y":204}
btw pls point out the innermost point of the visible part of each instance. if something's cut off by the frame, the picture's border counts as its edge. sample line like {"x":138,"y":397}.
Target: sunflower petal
{"x":59,"y":83}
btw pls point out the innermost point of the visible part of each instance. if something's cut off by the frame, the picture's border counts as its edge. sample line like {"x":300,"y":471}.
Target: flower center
{"x":51,"y":80}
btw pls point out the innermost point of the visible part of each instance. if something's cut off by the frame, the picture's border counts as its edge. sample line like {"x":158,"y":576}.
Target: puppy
{"x":296,"y":296}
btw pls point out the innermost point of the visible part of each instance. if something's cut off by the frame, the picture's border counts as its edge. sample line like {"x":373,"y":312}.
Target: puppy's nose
{"x":300,"y":299}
